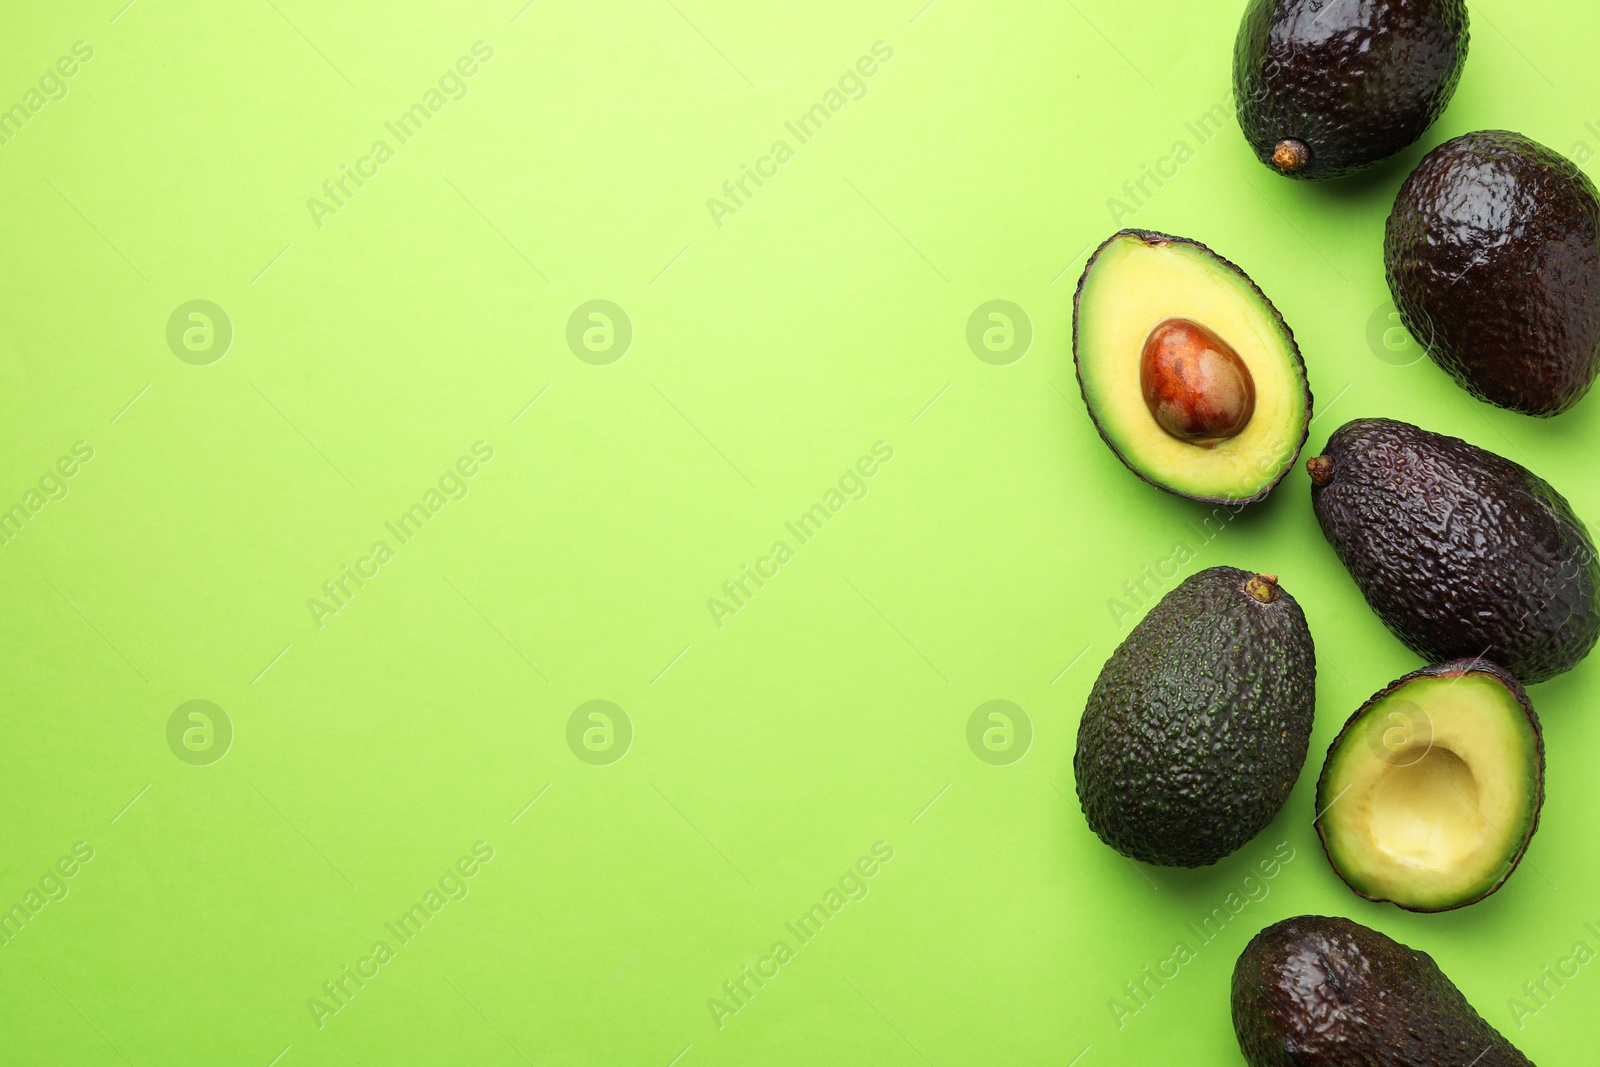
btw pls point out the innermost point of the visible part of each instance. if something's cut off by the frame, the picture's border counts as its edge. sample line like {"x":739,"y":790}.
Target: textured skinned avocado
{"x":1431,"y":792}
{"x":1493,"y":257}
{"x":1462,"y":553}
{"x":1188,"y":371}
{"x":1325,"y":88}
{"x":1315,"y":991}
{"x":1197,"y":727}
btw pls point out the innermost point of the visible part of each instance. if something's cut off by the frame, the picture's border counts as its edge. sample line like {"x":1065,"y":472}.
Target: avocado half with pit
{"x":1431,"y":792}
{"x":1188,"y":371}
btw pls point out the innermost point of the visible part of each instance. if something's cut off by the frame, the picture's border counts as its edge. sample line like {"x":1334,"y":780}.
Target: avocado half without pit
{"x":1431,"y":792}
{"x":1189,"y":373}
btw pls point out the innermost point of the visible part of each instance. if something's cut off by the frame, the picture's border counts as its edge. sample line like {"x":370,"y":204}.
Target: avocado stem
{"x":1321,"y":469}
{"x":1289,"y":155}
{"x":1264,"y":587}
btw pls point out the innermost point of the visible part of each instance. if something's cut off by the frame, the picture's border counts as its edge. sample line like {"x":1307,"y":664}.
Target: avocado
{"x":1315,"y":991}
{"x":1431,"y":792}
{"x":1197,"y":727}
{"x":1188,"y":371}
{"x":1493,"y":257}
{"x":1462,"y":553}
{"x":1325,"y":88}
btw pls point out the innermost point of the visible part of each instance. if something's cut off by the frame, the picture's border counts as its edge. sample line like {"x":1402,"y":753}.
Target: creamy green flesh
{"x":1132,"y":287}
{"x":1430,"y":796}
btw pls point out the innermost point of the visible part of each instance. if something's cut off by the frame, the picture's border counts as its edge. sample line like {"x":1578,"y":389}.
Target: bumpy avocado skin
{"x":1355,"y":81}
{"x":1461,"y":552}
{"x":1315,"y":991}
{"x":1453,"y":669}
{"x":1493,"y":257}
{"x":1198,"y":725}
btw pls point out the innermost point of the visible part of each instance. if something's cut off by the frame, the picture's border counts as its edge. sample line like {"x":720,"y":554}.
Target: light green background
{"x":768,"y":354}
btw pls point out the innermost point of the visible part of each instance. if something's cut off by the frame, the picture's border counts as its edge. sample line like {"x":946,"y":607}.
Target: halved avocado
{"x":1431,"y":792}
{"x":1188,"y":371}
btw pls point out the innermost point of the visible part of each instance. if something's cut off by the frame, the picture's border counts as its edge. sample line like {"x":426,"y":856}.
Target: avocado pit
{"x":1197,"y":388}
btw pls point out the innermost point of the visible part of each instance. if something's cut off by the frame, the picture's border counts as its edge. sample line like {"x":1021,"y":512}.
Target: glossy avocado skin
{"x":1354,"y":81}
{"x":1315,"y":991}
{"x":1198,"y":725}
{"x":1462,"y":553}
{"x":1493,"y":257}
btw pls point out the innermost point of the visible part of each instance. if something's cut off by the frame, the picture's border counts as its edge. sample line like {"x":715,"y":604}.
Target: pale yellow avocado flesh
{"x":1430,"y":796}
{"x":1129,"y":289}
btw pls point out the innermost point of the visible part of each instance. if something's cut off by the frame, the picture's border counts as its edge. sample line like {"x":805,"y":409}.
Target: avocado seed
{"x":1194,"y":383}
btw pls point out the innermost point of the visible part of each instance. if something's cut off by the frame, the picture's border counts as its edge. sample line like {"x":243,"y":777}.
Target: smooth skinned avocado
{"x":1188,"y":371}
{"x":1197,"y":727}
{"x":1315,"y":991}
{"x":1462,"y":553}
{"x":1431,"y":792}
{"x":1325,"y":88}
{"x":1493,"y":257}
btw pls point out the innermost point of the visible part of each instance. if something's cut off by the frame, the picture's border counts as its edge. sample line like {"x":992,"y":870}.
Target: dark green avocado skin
{"x":1462,"y":553}
{"x":1493,"y":257}
{"x":1197,"y":727}
{"x":1454,"y":669}
{"x":1355,"y":81}
{"x":1315,"y":991}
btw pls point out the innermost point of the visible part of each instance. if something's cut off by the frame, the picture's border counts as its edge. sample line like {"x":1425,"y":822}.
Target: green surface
{"x":980,"y":561}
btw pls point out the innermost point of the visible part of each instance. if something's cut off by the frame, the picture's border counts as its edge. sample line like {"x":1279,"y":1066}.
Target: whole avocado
{"x":1325,"y":88}
{"x":1493,"y":258}
{"x":1315,"y":991}
{"x":1197,"y":727}
{"x":1462,"y":553}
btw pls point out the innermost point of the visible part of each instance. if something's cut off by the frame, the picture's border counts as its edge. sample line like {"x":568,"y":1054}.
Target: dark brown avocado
{"x":1328,"y":992}
{"x":1325,"y":88}
{"x":1462,"y":553}
{"x":1493,"y":256}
